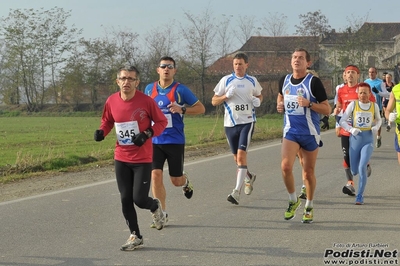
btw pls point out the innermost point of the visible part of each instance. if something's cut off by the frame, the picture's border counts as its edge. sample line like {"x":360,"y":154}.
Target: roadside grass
{"x":31,"y":145}
{"x":38,"y":144}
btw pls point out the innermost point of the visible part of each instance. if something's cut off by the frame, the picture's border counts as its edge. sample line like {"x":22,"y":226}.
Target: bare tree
{"x":357,"y":42}
{"x":35,"y":41}
{"x":17,"y":35}
{"x":126,"y":45}
{"x":72,"y":80}
{"x":312,"y":24}
{"x":162,"y":41}
{"x":355,"y":23}
{"x":126,"y":51}
{"x":224,"y":38}
{"x":99,"y":55}
{"x":9,"y":82}
{"x":349,"y":50}
{"x":246,"y":27}
{"x":275,"y":24}
{"x":55,"y":40}
{"x":199,"y":35}
{"x":158,"y":42}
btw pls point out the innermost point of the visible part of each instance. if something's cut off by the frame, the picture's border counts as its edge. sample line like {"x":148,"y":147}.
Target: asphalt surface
{"x":85,"y":226}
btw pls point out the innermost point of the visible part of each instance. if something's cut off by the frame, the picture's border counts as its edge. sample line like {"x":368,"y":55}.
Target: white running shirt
{"x":239,"y":108}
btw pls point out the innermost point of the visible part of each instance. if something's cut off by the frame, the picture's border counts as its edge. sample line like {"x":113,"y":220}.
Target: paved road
{"x":84,"y":225}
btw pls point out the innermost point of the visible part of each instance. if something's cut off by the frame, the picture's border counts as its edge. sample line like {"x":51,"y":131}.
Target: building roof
{"x":280,"y":43}
{"x":271,"y":55}
{"x":387,"y":30}
{"x":267,"y":55}
{"x":258,"y":64}
{"x":378,"y":32}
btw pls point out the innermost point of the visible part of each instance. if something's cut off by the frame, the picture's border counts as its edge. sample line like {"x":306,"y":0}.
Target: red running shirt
{"x":129,"y":118}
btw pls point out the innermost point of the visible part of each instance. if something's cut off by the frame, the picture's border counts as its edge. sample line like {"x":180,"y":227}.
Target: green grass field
{"x":34,"y":144}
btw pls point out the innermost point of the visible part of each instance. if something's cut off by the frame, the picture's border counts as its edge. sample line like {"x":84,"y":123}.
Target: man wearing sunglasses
{"x":175,"y":100}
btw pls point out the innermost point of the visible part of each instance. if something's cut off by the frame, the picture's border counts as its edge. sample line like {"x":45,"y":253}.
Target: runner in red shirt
{"x":346,"y":95}
{"x":136,"y":118}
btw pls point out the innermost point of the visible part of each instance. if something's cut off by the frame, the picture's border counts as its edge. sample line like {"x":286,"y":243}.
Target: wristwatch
{"x":183,"y":110}
{"x":310,"y":104}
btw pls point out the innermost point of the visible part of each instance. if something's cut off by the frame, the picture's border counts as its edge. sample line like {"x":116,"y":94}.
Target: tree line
{"x":44,"y":61}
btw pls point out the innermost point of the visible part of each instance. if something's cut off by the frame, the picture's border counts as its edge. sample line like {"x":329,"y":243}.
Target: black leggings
{"x":133,"y":180}
{"x":345,"y":148}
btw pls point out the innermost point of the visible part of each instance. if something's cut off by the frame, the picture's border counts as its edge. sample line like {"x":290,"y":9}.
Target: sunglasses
{"x":169,"y":66}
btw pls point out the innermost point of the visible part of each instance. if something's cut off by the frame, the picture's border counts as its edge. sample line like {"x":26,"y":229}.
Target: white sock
{"x":241,"y":175}
{"x":293,"y":197}
{"x":187,"y":180}
{"x":309,"y":204}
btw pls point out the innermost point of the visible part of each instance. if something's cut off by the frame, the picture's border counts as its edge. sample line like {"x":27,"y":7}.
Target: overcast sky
{"x":89,"y":15}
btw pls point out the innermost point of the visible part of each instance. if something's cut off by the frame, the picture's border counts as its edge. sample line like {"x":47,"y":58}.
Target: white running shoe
{"x":248,"y":184}
{"x":158,"y":216}
{"x":132,"y":243}
{"x":188,"y":188}
{"x":349,"y":190}
{"x":234,"y":197}
{"x":153,"y":225}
